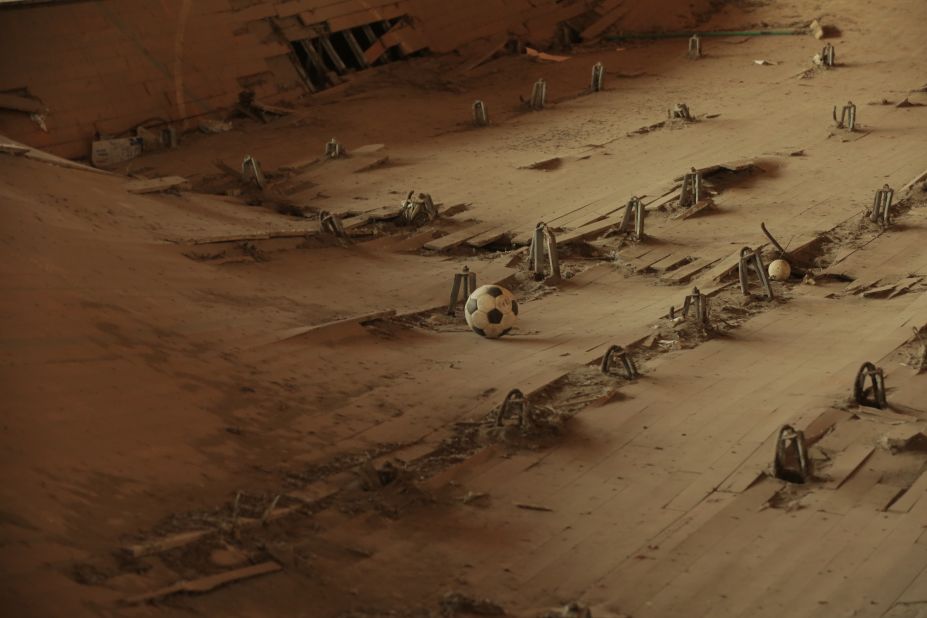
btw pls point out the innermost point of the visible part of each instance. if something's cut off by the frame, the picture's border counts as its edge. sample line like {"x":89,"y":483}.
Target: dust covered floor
{"x":212,"y":408}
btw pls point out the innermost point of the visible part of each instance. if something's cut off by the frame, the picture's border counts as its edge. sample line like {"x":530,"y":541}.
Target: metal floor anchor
{"x":792,"y":463}
{"x":331,"y":224}
{"x":515,"y":404}
{"x":882,"y":206}
{"x":636,"y":210}
{"x":480,"y":115}
{"x":691,"y":190}
{"x":251,"y":170}
{"x":538,"y":95}
{"x":463,"y":281}
{"x":828,"y":56}
{"x":877,"y":381}
{"x":543,"y":242}
{"x":333,"y":150}
{"x":616,"y":352}
{"x":681,"y":111}
{"x":417,"y":210}
{"x":697,"y":303}
{"x":748,"y":258}
{"x":847,"y":118}
{"x":598,"y":77}
{"x":695,"y":47}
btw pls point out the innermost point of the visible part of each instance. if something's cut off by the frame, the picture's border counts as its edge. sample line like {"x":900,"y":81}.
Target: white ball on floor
{"x":491,"y":311}
{"x":779,"y":270}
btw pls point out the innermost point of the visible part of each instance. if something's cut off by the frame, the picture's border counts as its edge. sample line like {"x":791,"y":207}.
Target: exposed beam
{"x":333,"y":55}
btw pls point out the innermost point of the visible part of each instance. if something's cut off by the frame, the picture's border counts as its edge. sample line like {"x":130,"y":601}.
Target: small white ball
{"x":779,"y":270}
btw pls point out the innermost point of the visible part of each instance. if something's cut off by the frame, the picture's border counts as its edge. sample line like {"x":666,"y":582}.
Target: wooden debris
{"x":456,"y":238}
{"x":489,"y":236}
{"x":592,"y":229}
{"x":649,"y":259}
{"x":879,"y":291}
{"x":863,"y":283}
{"x":908,"y":499}
{"x":664,"y":199}
{"x":485,"y":51}
{"x":402,"y":34}
{"x":533,"y":507}
{"x":910,"y":184}
{"x":671,"y":261}
{"x":903,"y":286}
{"x":173,"y":541}
{"x":22,"y":104}
{"x":816,"y":29}
{"x":693,"y":210}
{"x":533,"y":53}
{"x":726,"y":265}
{"x":377,"y":164}
{"x":205,"y":584}
{"x":304,"y":330}
{"x":154,"y":185}
{"x":182,"y":539}
{"x":846,"y":463}
{"x":686,"y":272}
{"x":271,"y":109}
{"x":610,"y":11}
{"x":13,"y":149}
{"x":251,"y":236}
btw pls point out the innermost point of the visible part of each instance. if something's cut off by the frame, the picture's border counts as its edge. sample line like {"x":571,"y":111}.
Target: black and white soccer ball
{"x":491,"y":311}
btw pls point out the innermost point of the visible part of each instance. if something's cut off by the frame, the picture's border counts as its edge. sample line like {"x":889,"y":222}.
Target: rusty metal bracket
{"x":782,"y":252}
{"x":847,"y":118}
{"x":828,"y":56}
{"x":877,"y":381}
{"x":331,"y":224}
{"x":480,"y":115}
{"x":616,"y":352}
{"x":598,"y":77}
{"x":333,"y":150}
{"x":922,"y":355}
{"x":463,"y":281}
{"x":750,"y":258}
{"x":251,"y":170}
{"x":882,"y":206}
{"x":418,"y":210}
{"x":691,"y":191}
{"x":515,"y":404}
{"x":538,"y":95}
{"x":680,"y":111}
{"x":698,"y":304}
{"x":695,"y":47}
{"x":636,"y":210}
{"x":792,"y":463}
{"x":542,"y":254}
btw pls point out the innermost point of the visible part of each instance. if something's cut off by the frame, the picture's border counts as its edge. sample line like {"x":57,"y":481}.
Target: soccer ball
{"x":491,"y":311}
{"x":779,"y":270}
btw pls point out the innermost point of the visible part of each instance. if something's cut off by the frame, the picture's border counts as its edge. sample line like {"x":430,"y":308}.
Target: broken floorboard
{"x":456,"y":238}
{"x":154,"y":185}
{"x":489,"y":236}
{"x":205,"y":584}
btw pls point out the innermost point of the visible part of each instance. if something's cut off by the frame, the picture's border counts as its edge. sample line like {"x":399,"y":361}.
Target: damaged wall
{"x":108,"y":65}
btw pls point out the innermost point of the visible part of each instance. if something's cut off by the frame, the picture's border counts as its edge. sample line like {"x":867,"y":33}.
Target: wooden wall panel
{"x":108,"y":65}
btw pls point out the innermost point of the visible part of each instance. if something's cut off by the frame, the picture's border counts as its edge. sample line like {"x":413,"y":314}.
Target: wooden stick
{"x":205,"y":584}
{"x":533,"y":507}
{"x":165,"y":543}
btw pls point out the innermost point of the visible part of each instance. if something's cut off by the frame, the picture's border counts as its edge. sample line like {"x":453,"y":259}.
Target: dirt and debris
{"x":302,"y":407}
{"x":454,"y":604}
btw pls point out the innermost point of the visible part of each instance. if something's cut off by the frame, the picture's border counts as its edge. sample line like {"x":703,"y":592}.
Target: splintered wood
{"x":205,"y":584}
